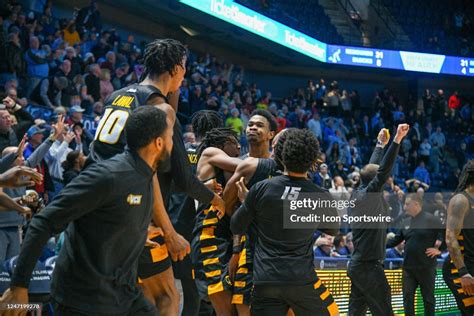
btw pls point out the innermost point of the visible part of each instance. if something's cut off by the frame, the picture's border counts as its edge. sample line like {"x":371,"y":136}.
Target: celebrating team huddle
{"x":148,"y":210}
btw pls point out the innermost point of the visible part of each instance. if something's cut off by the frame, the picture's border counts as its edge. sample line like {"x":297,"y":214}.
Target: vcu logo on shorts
{"x":134,"y":199}
{"x":192,"y":158}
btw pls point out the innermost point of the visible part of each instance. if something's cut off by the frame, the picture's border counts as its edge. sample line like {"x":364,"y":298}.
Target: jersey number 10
{"x":111,"y":126}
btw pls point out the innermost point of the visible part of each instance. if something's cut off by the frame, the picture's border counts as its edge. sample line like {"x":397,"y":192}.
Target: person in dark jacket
{"x":104,"y":236}
{"x":369,"y":285}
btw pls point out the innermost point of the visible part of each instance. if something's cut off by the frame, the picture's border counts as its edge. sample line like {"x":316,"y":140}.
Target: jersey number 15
{"x":291,"y":193}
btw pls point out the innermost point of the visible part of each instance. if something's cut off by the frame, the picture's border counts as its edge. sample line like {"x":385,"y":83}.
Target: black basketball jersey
{"x":466,"y":237}
{"x":110,"y":138}
{"x":191,"y":150}
{"x":266,"y":168}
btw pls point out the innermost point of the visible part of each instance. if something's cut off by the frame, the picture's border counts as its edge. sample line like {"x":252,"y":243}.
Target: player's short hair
{"x":205,"y":120}
{"x":269,"y":116}
{"x":368,"y":172}
{"x":414,"y":197}
{"x":144,"y":125}
{"x":162,"y":56}
{"x":300,"y":150}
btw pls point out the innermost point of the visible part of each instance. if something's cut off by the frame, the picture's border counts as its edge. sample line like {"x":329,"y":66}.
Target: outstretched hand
{"x":20,"y":176}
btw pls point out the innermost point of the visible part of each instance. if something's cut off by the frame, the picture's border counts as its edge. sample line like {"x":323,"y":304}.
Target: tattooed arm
{"x":457,"y":209}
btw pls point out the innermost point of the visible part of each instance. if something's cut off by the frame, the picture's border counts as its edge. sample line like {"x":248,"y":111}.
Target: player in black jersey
{"x":182,"y":212}
{"x":284,"y":276}
{"x":164,"y":68}
{"x":261,"y":129}
{"x":458,"y":269}
{"x":211,"y":247}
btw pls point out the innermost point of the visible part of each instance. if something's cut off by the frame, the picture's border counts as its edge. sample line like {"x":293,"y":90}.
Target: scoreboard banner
{"x":252,"y":21}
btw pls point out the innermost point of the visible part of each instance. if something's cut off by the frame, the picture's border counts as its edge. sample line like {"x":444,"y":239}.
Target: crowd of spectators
{"x":68,"y":67}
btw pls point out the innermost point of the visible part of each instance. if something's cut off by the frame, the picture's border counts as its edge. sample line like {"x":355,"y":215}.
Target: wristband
{"x":463,"y":271}
{"x":236,"y":244}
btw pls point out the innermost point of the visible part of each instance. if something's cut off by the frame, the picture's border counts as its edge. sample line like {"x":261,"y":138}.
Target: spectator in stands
{"x":314,"y":125}
{"x":48,"y":92}
{"x":340,"y":246}
{"x":453,"y":105}
{"x":425,"y":149}
{"x":235,"y":122}
{"x":320,"y":92}
{"x":64,"y":70}
{"x":70,"y":34}
{"x":333,"y":99}
{"x":83,"y":138}
{"x":340,"y":170}
{"x":89,"y":17}
{"x":365,"y":130}
{"x":75,"y":60}
{"x":106,"y":87}
{"x":109,"y":62}
{"x":436,"y":157}
{"x":12,"y":65}
{"x":461,"y":154}
{"x":346,"y":104}
{"x":92,"y":81}
{"x":73,"y":165}
{"x":328,"y":131}
{"x":7,"y":135}
{"x":323,"y":248}
{"x":422,"y":174}
{"x":98,"y":111}
{"x":339,"y":191}
{"x":322,"y":177}
{"x":10,"y":221}
{"x":17,"y":113}
{"x":438,"y":138}
{"x":37,"y":64}
{"x":56,"y":156}
{"x":189,"y":138}
{"x":118,"y":80}
{"x":395,"y":253}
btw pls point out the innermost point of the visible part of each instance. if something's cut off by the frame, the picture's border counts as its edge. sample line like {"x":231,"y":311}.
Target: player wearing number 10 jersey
{"x":164,"y":68}
{"x":109,"y":139}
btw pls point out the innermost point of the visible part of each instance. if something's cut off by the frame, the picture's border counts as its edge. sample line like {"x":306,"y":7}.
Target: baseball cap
{"x":76,"y":108}
{"x":33,"y":130}
{"x":323,"y":166}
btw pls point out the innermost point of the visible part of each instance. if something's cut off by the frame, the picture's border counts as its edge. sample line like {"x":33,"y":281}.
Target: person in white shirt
{"x":57,"y":155}
{"x":314,"y":125}
{"x":424,"y":151}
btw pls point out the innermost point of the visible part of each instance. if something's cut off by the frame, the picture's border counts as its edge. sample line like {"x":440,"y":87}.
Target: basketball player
{"x":258,"y":166}
{"x":164,"y":68}
{"x":211,"y":247}
{"x":283,"y":269}
{"x":458,"y":269}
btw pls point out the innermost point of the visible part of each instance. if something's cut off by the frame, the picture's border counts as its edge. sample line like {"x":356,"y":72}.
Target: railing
{"x":356,"y":19}
{"x":381,"y":11}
